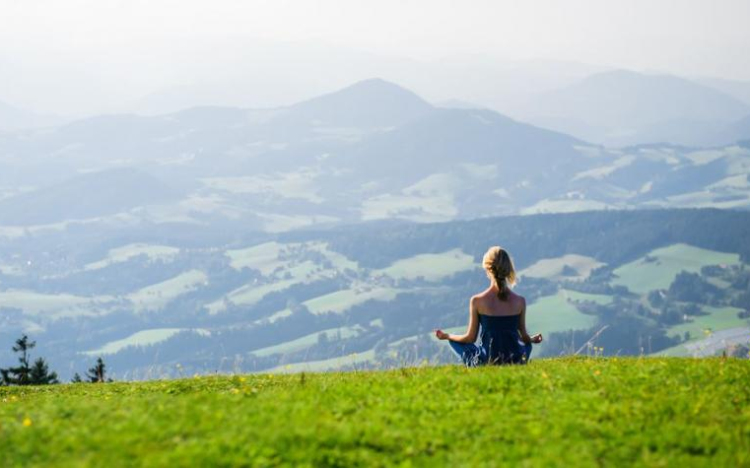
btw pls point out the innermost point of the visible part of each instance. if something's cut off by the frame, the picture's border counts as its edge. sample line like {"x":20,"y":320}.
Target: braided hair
{"x":500,"y":270}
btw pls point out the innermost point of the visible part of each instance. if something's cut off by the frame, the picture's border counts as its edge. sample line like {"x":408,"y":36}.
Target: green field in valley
{"x":717,"y":318}
{"x":558,"y":313}
{"x":554,"y":412}
{"x":431,"y":267}
{"x":306,"y":341}
{"x":659,"y":268}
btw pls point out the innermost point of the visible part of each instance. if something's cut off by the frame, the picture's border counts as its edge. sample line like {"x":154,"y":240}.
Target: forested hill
{"x":613,"y":237}
{"x":160,"y":301}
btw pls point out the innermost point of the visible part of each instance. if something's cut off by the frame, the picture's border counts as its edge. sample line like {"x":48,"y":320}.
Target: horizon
{"x":108,"y":56}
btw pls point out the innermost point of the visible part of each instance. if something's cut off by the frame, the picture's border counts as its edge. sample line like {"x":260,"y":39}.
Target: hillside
{"x":557,"y":412}
{"x":86,"y":196}
{"x":148,"y":299}
{"x":622,"y":107}
{"x":373,"y":150}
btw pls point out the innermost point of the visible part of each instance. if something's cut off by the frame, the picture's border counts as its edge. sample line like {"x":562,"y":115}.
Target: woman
{"x":502,"y":316}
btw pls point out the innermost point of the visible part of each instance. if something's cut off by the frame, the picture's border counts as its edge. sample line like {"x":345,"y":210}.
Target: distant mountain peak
{"x":372,"y":102}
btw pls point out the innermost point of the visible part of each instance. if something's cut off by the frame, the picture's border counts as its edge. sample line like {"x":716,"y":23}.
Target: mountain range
{"x":333,"y":159}
{"x":620,"y":108}
{"x":224,"y":238}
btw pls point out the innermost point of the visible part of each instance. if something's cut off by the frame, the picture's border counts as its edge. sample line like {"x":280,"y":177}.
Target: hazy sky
{"x":136,"y":42}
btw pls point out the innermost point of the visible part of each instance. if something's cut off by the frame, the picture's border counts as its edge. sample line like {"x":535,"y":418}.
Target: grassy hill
{"x":558,"y":412}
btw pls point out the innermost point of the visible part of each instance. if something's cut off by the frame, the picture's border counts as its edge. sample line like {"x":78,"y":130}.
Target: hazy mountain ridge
{"x":622,"y":107}
{"x":317,"y":162}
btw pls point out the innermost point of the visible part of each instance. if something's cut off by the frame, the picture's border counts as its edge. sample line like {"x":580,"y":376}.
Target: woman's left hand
{"x":441,"y":335}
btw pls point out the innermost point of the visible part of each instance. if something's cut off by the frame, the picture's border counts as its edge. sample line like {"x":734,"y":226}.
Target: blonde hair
{"x":500,"y":270}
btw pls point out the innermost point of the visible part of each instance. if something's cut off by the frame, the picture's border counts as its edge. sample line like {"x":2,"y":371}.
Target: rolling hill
{"x":622,"y":108}
{"x":149,"y":299}
{"x":331,"y":160}
{"x":84,"y":197}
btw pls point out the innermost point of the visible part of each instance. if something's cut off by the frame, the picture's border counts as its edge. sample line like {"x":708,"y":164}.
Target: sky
{"x":54,"y":53}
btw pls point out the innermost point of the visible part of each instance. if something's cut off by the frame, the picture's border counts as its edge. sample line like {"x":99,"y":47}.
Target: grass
{"x":341,"y":301}
{"x":322,"y":365}
{"x":557,"y":412}
{"x":718,"y":318}
{"x":576,"y":296}
{"x":556,"y":313}
{"x":552,"y":268}
{"x":659,"y":268}
{"x":53,"y":306}
{"x":249,"y":295}
{"x":262,"y":257}
{"x":126,"y":252}
{"x":141,"y":338}
{"x":309,"y":340}
{"x":432,"y":267}
{"x":428,"y":208}
{"x":158,"y":295}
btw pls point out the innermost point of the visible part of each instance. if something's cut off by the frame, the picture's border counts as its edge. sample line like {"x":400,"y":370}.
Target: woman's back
{"x":499,"y":323}
{"x":489,"y":304}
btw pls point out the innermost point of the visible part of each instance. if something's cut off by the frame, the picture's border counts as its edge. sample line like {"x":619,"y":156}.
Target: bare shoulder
{"x":518,"y":299}
{"x":478,"y":299}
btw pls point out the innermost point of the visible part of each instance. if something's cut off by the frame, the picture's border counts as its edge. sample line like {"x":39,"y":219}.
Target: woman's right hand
{"x":536,"y":339}
{"x":441,"y":335}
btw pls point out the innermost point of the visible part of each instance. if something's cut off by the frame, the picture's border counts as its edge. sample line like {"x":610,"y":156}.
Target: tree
{"x":19,"y":375}
{"x":97,"y":374}
{"x":24,"y":373}
{"x":40,"y":374}
{"x":76,"y":378}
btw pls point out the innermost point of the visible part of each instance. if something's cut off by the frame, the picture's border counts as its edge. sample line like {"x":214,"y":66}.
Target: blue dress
{"x":499,"y":343}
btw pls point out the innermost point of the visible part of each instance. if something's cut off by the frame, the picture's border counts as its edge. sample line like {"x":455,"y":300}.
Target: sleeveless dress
{"x":500,"y":339}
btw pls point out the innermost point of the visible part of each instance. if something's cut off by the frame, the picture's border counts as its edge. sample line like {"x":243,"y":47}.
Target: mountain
{"x":445,"y":139}
{"x":623,"y":107}
{"x":369,"y":103}
{"x":734,"y":132}
{"x":13,"y":118}
{"x":85,"y":196}
{"x":735,"y":88}
{"x":372,"y":150}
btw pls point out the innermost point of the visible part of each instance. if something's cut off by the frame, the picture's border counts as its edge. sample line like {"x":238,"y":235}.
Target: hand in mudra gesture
{"x":441,"y":335}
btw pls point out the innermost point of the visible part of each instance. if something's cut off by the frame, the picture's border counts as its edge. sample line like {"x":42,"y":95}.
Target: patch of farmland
{"x":431,"y":267}
{"x":658,"y":269}
{"x":141,"y":339}
{"x":570,"y":266}
{"x":158,"y":295}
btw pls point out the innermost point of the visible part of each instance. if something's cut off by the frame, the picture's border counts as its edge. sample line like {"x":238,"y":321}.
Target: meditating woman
{"x":498,"y":316}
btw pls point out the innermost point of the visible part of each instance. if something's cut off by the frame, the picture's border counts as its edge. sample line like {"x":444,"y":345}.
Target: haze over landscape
{"x":189,"y":187}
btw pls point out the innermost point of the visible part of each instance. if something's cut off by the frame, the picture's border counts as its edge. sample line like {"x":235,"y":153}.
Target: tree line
{"x":38,"y":372}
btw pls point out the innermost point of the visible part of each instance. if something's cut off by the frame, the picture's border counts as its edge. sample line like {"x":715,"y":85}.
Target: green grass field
{"x":432,"y":267}
{"x":642,"y":275}
{"x":557,"y":313}
{"x":53,"y":305}
{"x":309,"y":340}
{"x":158,"y":295}
{"x":341,"y":301}
{"x":142,"y":338}
{"x":126,"y":252}
{"x":558,"y":412}
{"x":552,"y":268}
{"x":718,"y":318}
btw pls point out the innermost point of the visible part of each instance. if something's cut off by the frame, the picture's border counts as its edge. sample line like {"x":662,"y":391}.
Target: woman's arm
{"x":522,"y":324}
{"x":471,"y":331}
{"x":522,"y":328}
